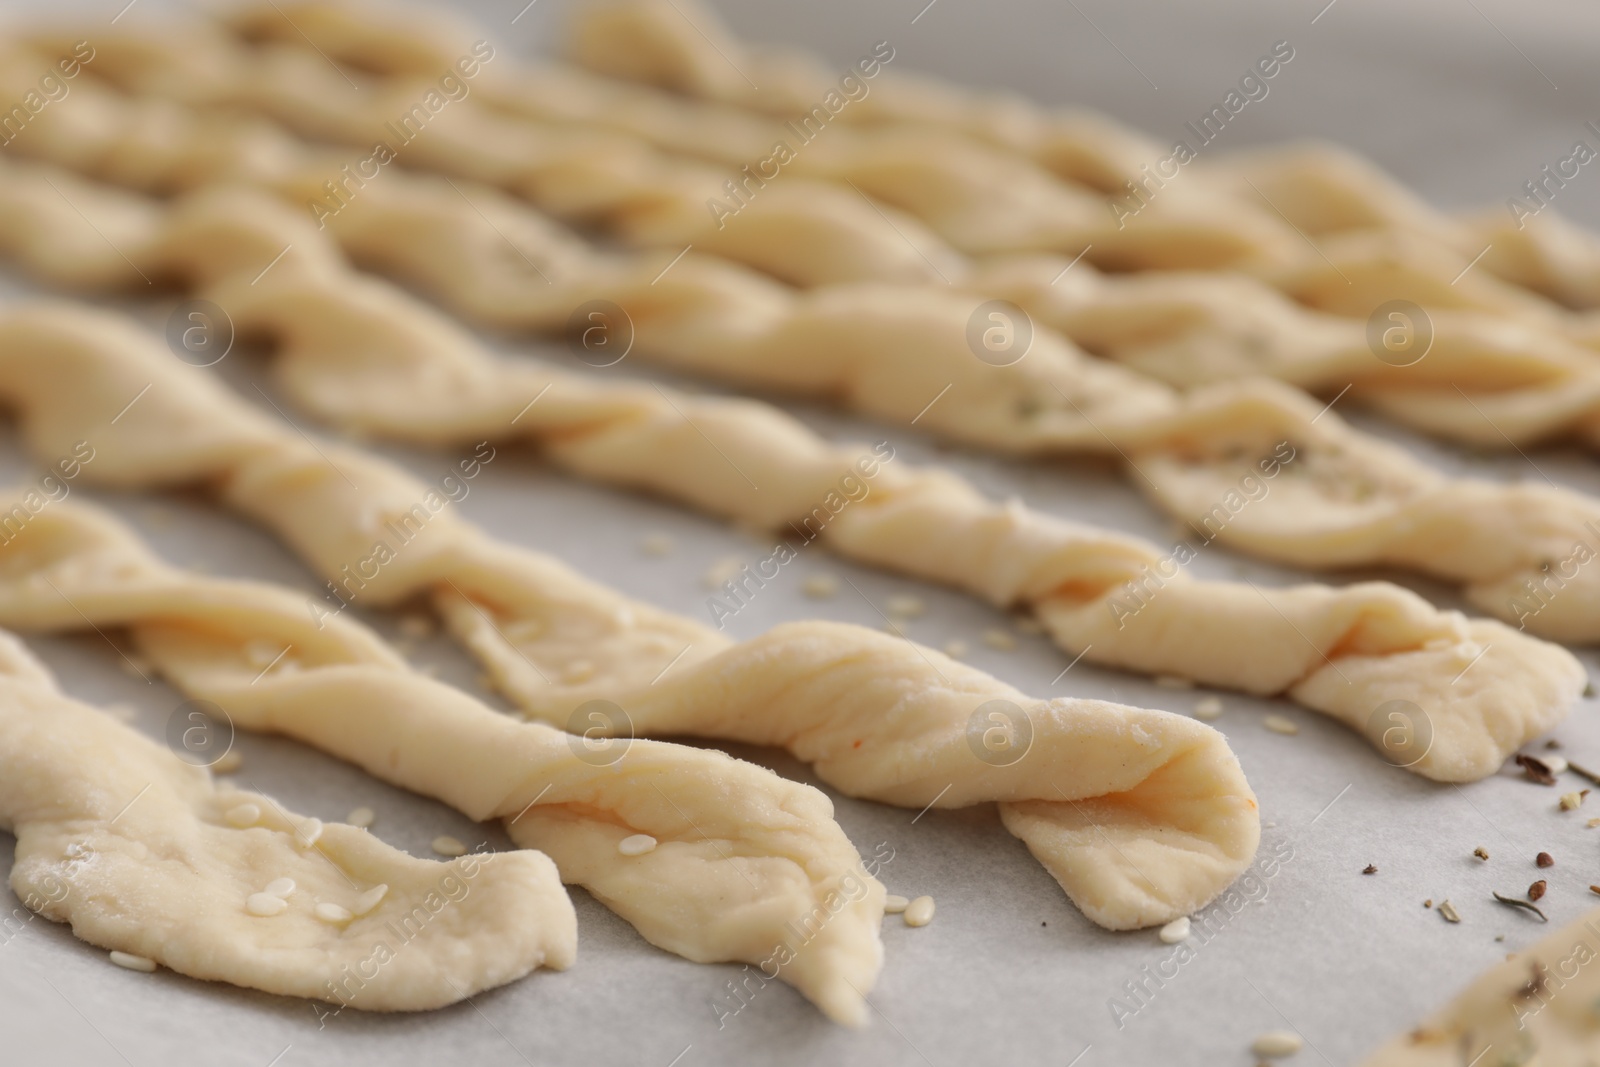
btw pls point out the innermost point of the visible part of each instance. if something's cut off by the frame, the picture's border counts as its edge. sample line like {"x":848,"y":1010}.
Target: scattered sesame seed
{"x":820,"y":586}
{"x":656,"y":544}
{"x":636,"y":845}
{"x":919,"y":912}
{"x":1544,"y":859}
{"x":265,"y":905}
{"x":1481,"y":852}
{"x":1448,"y":912}
{"x":362,"y":817}
{"x":1592,"y":823}
{"x":370,"y":899}
{"x":132,"y":962}
{"x":894,"y":905}
{"x":308,"y":833}
{"x":909,"y":606}
{"x":230,"y":762}
{"x":1280,"y":725}
{"x":1176,"y":930}
{"x":1554,"y":764}
{"x":445,"y":845}
{"x":1173,"y":681}
{"x":955,"y":649}
{"x":1275,"y":1043}
{"x":1569,"y":801}
{"x":332,"y":913}
{"x":242,"y":816}
{"x":415,"y":625}
{"x":1209,"y":708}
{"x":999,"y":640}
{"x":723,"y":570}
{"x":279,"y":887}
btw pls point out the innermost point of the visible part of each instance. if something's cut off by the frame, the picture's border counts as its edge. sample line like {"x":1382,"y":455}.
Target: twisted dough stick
{"x":894,"y":350}
{"x":744,"y":857}
{"x":1535,"y":1007}
{"x":1525,"y":383}
{"x":357,"y":353}
{"x":1141,"y":815}
{"x":143,"y":853}
{"x":957,"y":180}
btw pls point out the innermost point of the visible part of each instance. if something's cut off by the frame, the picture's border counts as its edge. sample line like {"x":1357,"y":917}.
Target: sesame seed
{"x":723,"y":570}
{"x":242,"y":816}
{"x":265,"y":905}
{"x":370,"y":899}
{"x":332,"y":913}
{"x":1554,"y":764}
{"x":445,"y":845}
{"x":1173,"y":681}
{"x":132,"y":962}
{"x":894,"y":905}
{"x":820,"y":586}
{"x":656,"y":544}
{"x":230,"y":762}
{"x":1209,"y":708}
{"x":919,"y":912}
{"x":279,"y":887}
{"x":636,"y":845}
{"x":909,"y":606}
{"x":1569,"y":801}
{"x":955,"y":649}
{"x":308,"y":833}
{"x":1176,"y":930}
{"x":999,"y":640}
{"x":1276,"y":1043}
{"x":362,"y":817}
{"x":1280,"y":725}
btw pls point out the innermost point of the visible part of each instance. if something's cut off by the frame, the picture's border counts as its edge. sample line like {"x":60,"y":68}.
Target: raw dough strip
{"x":359,"y":354}
{"x":980,"y":198}
{"x":741,"y":852}
{"x":1142,"y":816}
{"x":1350,"y":500}
{"x":134,"y":848}
{"x":1485,"y":381}
{"x":1535,"y":1007}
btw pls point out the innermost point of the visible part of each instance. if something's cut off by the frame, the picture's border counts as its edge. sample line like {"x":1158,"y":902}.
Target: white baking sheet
{"x":1465,"y":101}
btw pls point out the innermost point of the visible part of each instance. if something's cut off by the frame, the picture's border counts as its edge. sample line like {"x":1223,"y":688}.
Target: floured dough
{"x":136,"y":849}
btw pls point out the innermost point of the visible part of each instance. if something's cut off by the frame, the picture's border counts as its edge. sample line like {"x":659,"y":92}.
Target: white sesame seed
{"x":909,"y":606}
{"x":279,"y":887}
{"x":1176,"y":930}
{"x":955,"y":649}
{"x":1173,"y":681}
{"x":362,"y":817}
{"x":416,"y":626}
{"x":370,"y":899}
{"x":445,"y":845}
{"x":636,"y":845}
{"x":1276,"y":1043}
{"x":1280,"y":725}
{"x":132,"y":962}
{"x":1556,"y":764}
{"x":265,"y":905}
{"x":999,"y":640}
{"x":308,"y":833}
{"x":656,"y":544}
{"x":230,"y":762}
{"x":723,"y":570}
{"x":820,"y":586}
{"x":332,"y":913}
{"x":919,"y":912}
{"x":894,"y":905}
{"x":1571,"y":800}
{"x":242,"y":816}
{"x":1209,"y":708}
